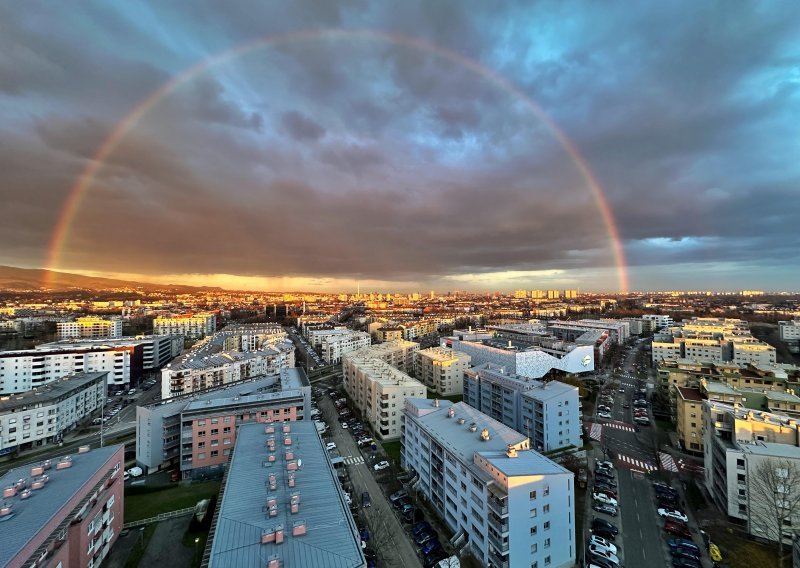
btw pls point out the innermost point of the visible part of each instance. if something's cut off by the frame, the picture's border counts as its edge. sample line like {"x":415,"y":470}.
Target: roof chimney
{"x":511,"y":451}
{"x":436,"y":402}
{"x":451,"y":412}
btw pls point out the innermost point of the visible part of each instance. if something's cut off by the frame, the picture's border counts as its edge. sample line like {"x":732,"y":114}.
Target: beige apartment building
{"x":399,"y":353}
{"x":379,"y":391}
{"x":441,"y":369}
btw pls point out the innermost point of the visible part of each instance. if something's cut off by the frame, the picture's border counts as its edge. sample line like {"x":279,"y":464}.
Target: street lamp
{"x":196,"y":542}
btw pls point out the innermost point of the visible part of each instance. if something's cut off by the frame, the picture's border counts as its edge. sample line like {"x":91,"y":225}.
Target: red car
{"x":175,"y":476}
{"x":677,"y":529}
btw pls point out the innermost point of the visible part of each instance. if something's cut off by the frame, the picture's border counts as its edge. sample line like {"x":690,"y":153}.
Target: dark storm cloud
{"x":360,"y":156}
{"x":300,"y":127}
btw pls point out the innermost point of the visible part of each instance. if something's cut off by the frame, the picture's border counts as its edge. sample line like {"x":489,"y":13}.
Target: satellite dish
{"x":299,"y":463}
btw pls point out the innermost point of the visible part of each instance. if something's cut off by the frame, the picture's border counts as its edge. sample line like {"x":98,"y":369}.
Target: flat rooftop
{"x":31,"y":514}
{"x":330,"y":539}
{"x":50,"y":392}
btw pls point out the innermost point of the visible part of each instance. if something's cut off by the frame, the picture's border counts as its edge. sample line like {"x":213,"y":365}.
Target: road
{"x":393,"y":545}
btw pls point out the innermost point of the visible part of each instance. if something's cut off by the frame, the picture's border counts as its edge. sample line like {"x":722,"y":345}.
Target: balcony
{"x":498,"y":506}
{"x":497,"y":543}
{"x":497,"y":561}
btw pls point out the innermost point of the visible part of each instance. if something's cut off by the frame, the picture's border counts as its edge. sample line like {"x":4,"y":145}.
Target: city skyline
{"x":455,"y":146}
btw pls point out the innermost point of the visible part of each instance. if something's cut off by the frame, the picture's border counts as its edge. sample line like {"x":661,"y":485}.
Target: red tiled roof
{"x":691,"y":394}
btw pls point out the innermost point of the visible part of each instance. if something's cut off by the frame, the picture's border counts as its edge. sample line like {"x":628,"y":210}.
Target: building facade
{"x":194,"y":326}
{"x":197,"y":433}
{"x":548,"y":413}
{"x":157,"y":350}
{"x":63,"y":512}
{"x":90,"y":327}
{"x":378,"y":390}
{"x":508,"y":504}
{"x":44,"y":415}
{"x":398,"y":353}
{"x":28,"y":369}
{"x":333,"y":346}
{"x":441,"y":370}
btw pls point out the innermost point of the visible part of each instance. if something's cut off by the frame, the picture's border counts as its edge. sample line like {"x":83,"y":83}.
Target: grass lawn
{"x":143,"y":502}
{"x":392,"y":449}
{"x":738,"y":551}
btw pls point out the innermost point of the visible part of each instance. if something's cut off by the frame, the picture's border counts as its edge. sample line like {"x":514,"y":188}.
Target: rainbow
{"x":84,"y":181}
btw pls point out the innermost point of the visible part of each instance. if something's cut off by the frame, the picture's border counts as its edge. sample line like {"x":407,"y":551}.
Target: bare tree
{"x":774,"y":503}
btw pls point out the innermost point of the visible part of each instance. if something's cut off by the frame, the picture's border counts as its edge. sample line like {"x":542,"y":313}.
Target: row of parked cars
{"x":422,"y":533}
{"x":685,"y":553}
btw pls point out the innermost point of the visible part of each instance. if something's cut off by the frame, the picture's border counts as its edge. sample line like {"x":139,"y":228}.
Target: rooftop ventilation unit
{"x":64,"y":463}
{"x":436,"y":403}
{"x":485,"y":435}
{"x":511,"y":451}
{"x":451,"y":412}
{"x":9,"y":492}
{"x":460,"y":420}
{"x":25,"y":494}
{"x":83,"y":449}
{"x":473,"y":427}
{"x":6,"y":510}
{"x":37,"y":470}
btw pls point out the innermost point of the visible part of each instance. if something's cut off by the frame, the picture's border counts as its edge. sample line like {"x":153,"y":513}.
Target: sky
{"x":404,"y":146}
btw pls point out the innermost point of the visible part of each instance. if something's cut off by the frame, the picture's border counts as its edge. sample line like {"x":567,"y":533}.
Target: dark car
{"x":680,"y":562}
{"x":434,"y":557}
{"x":421,"y":527}
{"x":603,"y":508}
{"x":607,"y":479}
{"x":366,"y":500}
{"x":605,"y":490}
{"x":596,"y":560}
{"x":430,"y":546}
{"x":422,"y":538}
{"x":681,"y":552}
{"x":602,"y":533}
{"x":682,"y":543}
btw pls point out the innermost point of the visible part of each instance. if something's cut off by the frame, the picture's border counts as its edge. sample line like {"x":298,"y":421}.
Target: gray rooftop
{"x":49,"y":392}
{"x":526,"y":462}
{"x":31,"y":514}
{"x":331,"y":539}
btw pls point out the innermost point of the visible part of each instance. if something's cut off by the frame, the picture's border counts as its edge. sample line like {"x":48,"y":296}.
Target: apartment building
{"x":790,"y":334}
{"x":389,"y":333}
{"x":441,"y":369}
{"x":282,"y":505}
{"x":522,"y":358}
{"x":658,"y":321}
{"x":618,"y":330}
{"x":548,"y":413}
{"x":28,"y":369}
{"x":193,"y":326}
{"x":738,"y":443}
{"x":508,"y":504}
{"x":399,"y":353}
{"x":339,"y":342}
{"x":66,"y":511}
{"x":44,"y":415}
{"x":215,"y":361}
{"x":90,"y":327}
{"x":157,"y":350}
{"x":378,"y":390}
{"x":197,"y":432}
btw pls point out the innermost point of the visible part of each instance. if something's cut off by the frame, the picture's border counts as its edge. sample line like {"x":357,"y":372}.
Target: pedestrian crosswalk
{"x":667,"y":462}
{"x":621,"y":426}
{"x":633,"y":463}
{"x":353,"y":460}
{"x":596,"y":432}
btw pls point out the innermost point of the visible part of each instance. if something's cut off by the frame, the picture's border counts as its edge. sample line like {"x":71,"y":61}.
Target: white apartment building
{"x":712,"y":340}
{"x":790,"y":334}
{"x":27,"y":369}
{"x":42,"y":416}
{"x":659,"y":320}
{"x":315,"y":334}
{"x":533,"y":361}
{"x":157,"y":350}
{"x":90,"y":327}
{"x":194,"y":326}
{"x":508,"y":504}
{"x":379,"y":390}
{"x":400,"y":354}
{"x":546,"y":412}
{"x":737,"y":442}
{"x":442,"y":369}
{"x":335,"y":343}
{"x":753,"y":352}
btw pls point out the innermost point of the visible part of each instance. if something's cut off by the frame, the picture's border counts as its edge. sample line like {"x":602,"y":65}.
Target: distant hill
{"x":12,"y":278}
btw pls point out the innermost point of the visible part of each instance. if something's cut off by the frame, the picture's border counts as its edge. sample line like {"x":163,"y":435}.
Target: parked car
{"x":681,"y":562}
{"x":598,"y":523}
{"x":608,"y":535}
{"x":605,"y":415}
{"x":402,"y":502}
{"x":603,"y":508}
{"x":430,"y":546}
{"x":381,"y":465}
{"x":604,"y":478}
{"x":673,"y":514}
{"x":604,"y":464}
{"x":683,"y":543}
{"x":434,"y":558}
{"x":330,"y":446}
{"x":420,"y":527}
{"x":603,"y":498}
{"x":603,"y":553}
{"x":424,"y":537}
{"x":599,"y":562}
{"x":677,"y":529}
{"x":600,"y":541}
{"x":366,"y":501}
{"x":681,"y":552}
{"x":394,"y":497}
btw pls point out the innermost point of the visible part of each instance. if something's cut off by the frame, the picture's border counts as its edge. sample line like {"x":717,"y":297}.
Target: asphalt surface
{"x":395,"y":548}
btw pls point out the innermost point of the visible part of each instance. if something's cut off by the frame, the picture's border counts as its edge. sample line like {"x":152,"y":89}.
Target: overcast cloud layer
{"x":336,"y":158}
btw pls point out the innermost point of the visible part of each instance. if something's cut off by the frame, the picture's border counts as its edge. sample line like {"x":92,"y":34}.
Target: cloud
{"x":329,"y":158}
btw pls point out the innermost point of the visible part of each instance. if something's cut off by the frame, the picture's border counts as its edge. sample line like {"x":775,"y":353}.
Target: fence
{"x":161,"y":517}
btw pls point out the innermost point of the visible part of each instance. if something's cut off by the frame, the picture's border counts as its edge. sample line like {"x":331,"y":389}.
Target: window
{"x":214,"y":443}
{"x":227,"y":420}
{"x":546,"y":560}
{"x":546,"y":490}
{"x":214,"y":420}
{"x":201,"y":422}
{"x":226,"y":452}
{"x":214,"y":453}
{"x":214,"y":431}
{"x":201,"y":456}
{"x":201,"y":434}
{"x":534,"y":548}
{"x":226,"y":430}
{"x":547,"y":525}
{"x":533,"y":512}
{"x":546,"y":509}
{"x":226,"y":441}
{"x":534,"y":529}
{"x":201,"y":444}
{"x":547,"y":543}
{"x":532,"y":495}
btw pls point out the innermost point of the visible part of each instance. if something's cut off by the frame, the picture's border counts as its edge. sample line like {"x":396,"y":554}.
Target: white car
{"x":673,"y":514}
{"x":330,"y":446}
{"x":602,"y":543}
{"x":381,"y":465}
{"x":603,"y":553}
{"x":345,"y":426}
{"x":604,"y":464}
{"x":603,"y":498}
{"x":605,"y":415}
